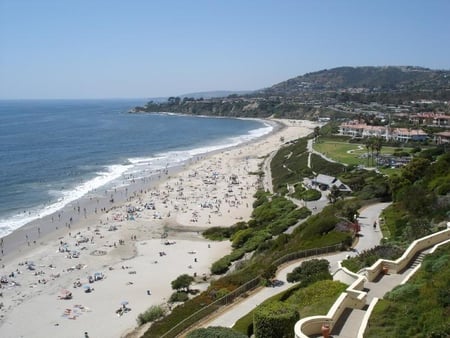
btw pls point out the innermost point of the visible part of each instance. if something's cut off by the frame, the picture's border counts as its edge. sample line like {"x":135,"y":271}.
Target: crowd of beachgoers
{"x":108,"y":262}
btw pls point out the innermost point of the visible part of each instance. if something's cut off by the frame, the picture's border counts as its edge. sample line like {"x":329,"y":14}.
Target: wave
{"x":65,"y":197}
{"x":134,"y":168}
{"x":178,"y":157}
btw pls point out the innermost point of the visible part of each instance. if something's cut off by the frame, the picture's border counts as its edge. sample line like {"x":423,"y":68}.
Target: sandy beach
{"x":132,"y":242}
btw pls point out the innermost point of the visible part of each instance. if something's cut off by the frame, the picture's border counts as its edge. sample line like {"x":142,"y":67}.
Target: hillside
{"x":364,"y":79}
{"x":323,"y":93}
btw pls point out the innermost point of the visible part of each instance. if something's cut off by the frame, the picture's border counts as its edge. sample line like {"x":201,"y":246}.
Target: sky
{"x":56,"y":49}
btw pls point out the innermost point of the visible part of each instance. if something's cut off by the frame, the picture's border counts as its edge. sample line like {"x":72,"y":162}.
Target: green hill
{"x":364,"y":79}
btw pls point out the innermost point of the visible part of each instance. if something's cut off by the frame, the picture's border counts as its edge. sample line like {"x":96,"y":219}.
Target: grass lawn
{"x":348,"y":153}
{"x":351,"y":153}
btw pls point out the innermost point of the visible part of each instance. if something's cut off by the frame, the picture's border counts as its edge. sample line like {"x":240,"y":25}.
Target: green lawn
{"x":351,"y":153}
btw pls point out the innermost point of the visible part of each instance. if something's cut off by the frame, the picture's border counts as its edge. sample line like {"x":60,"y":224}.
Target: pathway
{"x":369,"y":238}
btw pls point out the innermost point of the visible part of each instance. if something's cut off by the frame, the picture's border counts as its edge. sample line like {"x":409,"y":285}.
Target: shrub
{"x":240,"y":237}
{"x":275,"y":320}
{"x":178,"y":296}
{"x":310,"y":271}
{"x":216,"y":332}
{"x":220,"y":233}
{"x":182,"y":282}
{"x":221,"y":266}
{"x":311,"y":195}
{"x":403,"y":292}
{"x":153,"y":313}
{"x":368,"y":257}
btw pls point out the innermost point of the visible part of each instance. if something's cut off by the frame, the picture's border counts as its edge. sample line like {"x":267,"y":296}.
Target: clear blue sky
{"x":142,"y":49}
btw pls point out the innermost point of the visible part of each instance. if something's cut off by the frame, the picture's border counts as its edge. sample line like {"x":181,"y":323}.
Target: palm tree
{"x":377,"y":144}
{"x":369,"y":146}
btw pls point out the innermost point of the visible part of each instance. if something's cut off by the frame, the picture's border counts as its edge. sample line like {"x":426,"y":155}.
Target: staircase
{"x":418,"y":260}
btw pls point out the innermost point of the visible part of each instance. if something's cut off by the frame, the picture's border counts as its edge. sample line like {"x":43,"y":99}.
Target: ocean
{"x":54,"y":152}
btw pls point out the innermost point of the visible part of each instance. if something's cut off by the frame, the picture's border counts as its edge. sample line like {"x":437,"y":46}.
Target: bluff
{"x":317,"y":94}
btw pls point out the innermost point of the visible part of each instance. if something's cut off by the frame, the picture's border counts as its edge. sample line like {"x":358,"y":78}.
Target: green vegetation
{"x":354,"y":154}
{"x":367,"y":185}
{"x":178,"y":296}
{"x":273,"y":320}
{"x":290,"y":165}
{"x":306,"y":194}
{"x":420,"y":198}
{"x":310,"y":271}
{"x":216,"y":332}
{"x":369,"y":257}
{"x":419,"y":308}
{"x":271,"y":216}
{"x":153,"y":313}
{"x":182,"y":282}
{"x":314,"y":299}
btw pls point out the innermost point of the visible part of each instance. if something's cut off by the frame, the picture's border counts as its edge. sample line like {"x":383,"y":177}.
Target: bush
{"x":221,"y":233}
{"x":221,"y":266}
{"x":311,"y":195}
{"x":178,"y":296}
{"x":275,"y":320}
{"x":153,"y":313}
{"x":368,"y":257}
{"x":240,"y":237}
{"x":310,"y":271}
{"x":403,"y":292}
{"x":216,"y":332}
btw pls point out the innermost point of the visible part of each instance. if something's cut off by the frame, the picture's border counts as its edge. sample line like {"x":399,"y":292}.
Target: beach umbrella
{"x":124,"y":302}
{"x":86,"y":286}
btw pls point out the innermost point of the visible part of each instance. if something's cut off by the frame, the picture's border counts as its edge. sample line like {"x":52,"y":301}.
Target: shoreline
{"x":72,"y":213}
{"x":185,"y":200}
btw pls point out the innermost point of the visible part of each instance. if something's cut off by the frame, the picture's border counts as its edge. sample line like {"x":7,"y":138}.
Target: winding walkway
{"x":368,"y":239}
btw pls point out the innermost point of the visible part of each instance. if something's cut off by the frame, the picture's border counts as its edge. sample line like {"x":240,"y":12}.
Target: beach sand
{"x":149,"y":235}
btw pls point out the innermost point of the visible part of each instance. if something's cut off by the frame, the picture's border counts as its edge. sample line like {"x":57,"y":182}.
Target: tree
{"x":377,"y":145}
{"x":316,"y":132}
{"x":334,"y":194}
{"x":415,"y":169}
{"x":182,"y":282}
{"x":369,"y":146}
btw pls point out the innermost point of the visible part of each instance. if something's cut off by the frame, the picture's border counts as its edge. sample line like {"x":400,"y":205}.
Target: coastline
{"x":180,"y":203}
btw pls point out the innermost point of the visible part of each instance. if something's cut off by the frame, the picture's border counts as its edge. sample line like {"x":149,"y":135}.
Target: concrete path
{"x":369,"y":238}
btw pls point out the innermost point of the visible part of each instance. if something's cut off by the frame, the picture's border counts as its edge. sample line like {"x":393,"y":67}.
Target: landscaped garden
{"x":419,"y":308}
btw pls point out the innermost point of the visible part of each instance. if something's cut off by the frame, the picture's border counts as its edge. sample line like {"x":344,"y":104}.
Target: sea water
{"x":53,"y":152}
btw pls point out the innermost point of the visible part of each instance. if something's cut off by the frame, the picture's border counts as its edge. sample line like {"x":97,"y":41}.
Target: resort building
{"x":356,"y":129}
{"x":431,"y":119}
{"x":406,"y":134}
{"x":442,"y":138}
